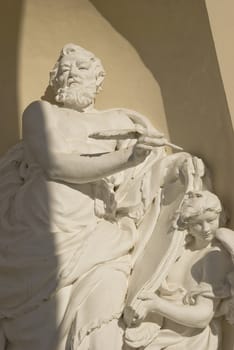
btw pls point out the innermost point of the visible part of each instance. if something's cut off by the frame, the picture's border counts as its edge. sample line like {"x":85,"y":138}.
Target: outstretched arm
{"x":75,"y":168}
{"x":41,"y":143}
{"x":196,"y":316}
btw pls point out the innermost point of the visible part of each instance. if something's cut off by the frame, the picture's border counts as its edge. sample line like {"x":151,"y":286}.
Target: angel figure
{"x":191,"y":299}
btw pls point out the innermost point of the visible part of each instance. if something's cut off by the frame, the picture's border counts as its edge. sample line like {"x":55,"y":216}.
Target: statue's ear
{"x":99,"y":81}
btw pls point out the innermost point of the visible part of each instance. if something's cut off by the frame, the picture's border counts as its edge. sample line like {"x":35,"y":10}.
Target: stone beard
{"x":77,"y":94}
{"x":76,"y":78}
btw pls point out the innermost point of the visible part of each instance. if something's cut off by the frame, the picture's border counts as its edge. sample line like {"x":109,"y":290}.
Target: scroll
{"x":156,"y":256}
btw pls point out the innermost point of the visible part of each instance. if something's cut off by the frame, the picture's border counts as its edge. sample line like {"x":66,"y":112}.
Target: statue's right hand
{"x":139,"y":153}
{"x":144,"y":146}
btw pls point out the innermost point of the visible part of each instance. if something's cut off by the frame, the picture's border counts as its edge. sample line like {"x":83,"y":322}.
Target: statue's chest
{"x":74,"y":134}
{"x":186,"y":270}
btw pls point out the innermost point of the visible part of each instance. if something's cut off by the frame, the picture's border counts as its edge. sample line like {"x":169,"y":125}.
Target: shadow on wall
{"x":10,"y":25}
{"x":175,"y":42}
{"x":30,"y":244}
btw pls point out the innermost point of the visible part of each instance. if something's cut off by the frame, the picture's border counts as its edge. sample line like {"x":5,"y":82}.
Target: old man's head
{"x":76,"y":77}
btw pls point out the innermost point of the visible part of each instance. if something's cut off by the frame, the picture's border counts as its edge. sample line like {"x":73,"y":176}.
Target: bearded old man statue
{"x":74,"y":196}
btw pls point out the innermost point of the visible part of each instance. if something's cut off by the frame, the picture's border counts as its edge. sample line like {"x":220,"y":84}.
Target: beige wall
{"x":32,"y":34}
{"x":175,"y":42}
{"x":10,"y":30}
{"x":221,"y":16}
{"x":48,"y":25}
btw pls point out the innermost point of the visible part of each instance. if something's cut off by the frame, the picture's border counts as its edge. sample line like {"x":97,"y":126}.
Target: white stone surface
{"x":97,"y":220}
{"x":189,"y":304}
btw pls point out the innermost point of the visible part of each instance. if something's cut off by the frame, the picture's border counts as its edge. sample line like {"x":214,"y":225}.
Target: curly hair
{"x":196,"y":204}
{"x":75,"y":50}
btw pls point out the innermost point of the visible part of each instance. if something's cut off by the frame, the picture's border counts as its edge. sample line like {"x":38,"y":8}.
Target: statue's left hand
{"x":133,"y":315}
{"x":146,"y":302}
{"x":147,"y":295}
{"x":141,"y":312}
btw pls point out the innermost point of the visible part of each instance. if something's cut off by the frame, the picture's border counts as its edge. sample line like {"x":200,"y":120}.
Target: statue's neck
{"x":89,"y":108}
{"x":198,"y":244}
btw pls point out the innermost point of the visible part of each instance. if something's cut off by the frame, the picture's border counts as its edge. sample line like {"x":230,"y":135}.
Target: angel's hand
{"x":147,"y":295}
{"x":133,"y":315}
{"x":140,"y":312}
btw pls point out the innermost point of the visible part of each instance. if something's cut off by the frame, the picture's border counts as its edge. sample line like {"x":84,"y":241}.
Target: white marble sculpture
{"x":95,"y":219}
{"x":196,"y":292}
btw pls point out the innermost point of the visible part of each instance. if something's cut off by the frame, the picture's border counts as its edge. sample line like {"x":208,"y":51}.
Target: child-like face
{"x":203,"y":226}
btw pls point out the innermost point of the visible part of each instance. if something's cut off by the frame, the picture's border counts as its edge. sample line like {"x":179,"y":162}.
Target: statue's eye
{"x":83,"y":67}
{"x":197,"y":226}
{"x":65,"y":69}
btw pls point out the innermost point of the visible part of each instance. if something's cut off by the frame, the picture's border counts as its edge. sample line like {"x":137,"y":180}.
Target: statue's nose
{"x":206,"y":227}
{"x":73,"y":70}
